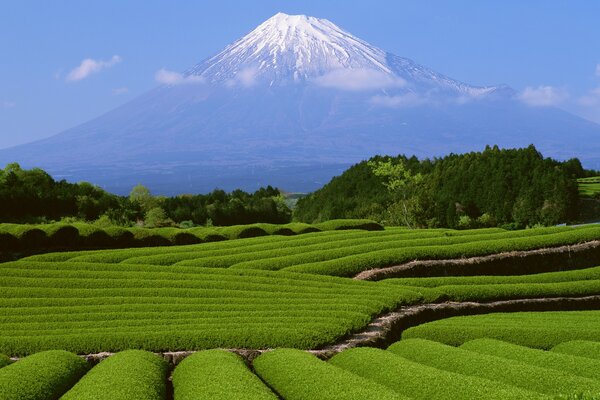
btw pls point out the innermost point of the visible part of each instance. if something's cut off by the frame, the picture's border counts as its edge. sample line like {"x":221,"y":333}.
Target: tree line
{"x":33,"y":196}
{"x":513,"y":188}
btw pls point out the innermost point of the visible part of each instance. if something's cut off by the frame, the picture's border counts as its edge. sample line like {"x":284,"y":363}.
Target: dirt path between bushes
{"x":551,"y":259}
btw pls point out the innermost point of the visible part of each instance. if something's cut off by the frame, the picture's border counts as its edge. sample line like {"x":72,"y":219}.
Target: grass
{"x":217,"y":375}
{"x":129,"y":375}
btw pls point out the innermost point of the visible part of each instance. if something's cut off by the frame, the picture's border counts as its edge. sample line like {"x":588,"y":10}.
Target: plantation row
{"x":575,"y":283}
{"x":340,"y":253}
{"x":87,"y":308}
{"x":27,"y":238}
{"x":537,"y":330}
{"x":589,"y":187}
{"x":409,"y":369}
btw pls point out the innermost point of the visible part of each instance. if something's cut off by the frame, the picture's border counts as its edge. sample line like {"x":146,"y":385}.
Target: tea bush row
{"x":541,"y":330}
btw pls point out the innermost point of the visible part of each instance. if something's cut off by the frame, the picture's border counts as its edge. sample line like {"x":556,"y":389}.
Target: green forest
{"x":33,"y":196}
{"x":513,"y":188}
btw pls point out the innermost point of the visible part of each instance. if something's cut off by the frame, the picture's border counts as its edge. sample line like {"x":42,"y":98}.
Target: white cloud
{"x":175,"y":78}
{"x":543,"y":96}
{"x":90,"y":66}
{"x":245,"y":77}
{"x":359,"y":79}
{"x":404,"y":100}
{"x":5,"y":104}
{"x":591,"y":99}
{"x":120,"y":91}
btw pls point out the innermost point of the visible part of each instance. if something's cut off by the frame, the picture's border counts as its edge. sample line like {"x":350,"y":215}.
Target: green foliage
{"x":60,"y":236}
{"x":349,"y":262}
{"x":157,"y":217}
{"x":420,"y":381}
{"x":32,"y":196}
{"x":580,"y":348}
{"x":511,"y":186}
{"x":112,"y":307}
{"x":129,"y":375}
{"x":403,"y":186}
{"x":541,"y":330}
{"x":574,"y":283}
{"x":580,"y":366}
{"x":528,"y":377}
{"x":42,"y":376}
{"x":589,"y":187}
{"x":141,"y":196}
{"x":4,"y":360}
{"x":217,"y":375}
{"x":297,"y":375}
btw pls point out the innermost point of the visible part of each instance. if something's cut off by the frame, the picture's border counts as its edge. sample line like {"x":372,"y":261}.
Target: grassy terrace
{"x":338,"y":253}
{"x":23,"y":238}
{"x":588,"y":187}
{"x":250,"y":293}
{"x":91,"y":307}
{"x":283,"y":291}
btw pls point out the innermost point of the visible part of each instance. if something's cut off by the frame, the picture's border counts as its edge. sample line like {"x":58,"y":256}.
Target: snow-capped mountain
{"x":291,"y":104}
{"x":288,"y":49}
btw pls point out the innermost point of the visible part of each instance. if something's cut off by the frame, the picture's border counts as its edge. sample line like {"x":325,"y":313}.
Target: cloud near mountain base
{"x":359,"y":80}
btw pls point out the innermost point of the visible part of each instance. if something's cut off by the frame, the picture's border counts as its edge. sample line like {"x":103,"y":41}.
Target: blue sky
{"x":548,"y":50}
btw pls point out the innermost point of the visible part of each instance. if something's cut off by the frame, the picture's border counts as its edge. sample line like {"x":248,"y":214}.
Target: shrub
{"x":217,"y":375}
{"x":420,"y":381}
{"x":128,"y":375}
{"x":448,"y":358}
{"x":298,"y":375}
{"x":42,"y":376}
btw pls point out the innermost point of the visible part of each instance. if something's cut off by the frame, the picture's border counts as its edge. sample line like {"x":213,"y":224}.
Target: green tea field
{"x":331,"y":314}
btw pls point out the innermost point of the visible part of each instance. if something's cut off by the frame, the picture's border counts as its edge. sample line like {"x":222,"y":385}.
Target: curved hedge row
{"x":339,"y":253}
{"x":511,"y":241}
{"x":88,"y":308}
{"x":541,"y":330}
{"x":128,"y":375}
{"x":217,"y":375}
{"x":297,"y":375}
{"x":579,"y":348}
{"x":581,"y":366}
{"x":420,"y":381}
{"x":28,"y":238}
{"x":542,"y":380}
{"x":42,"y":376}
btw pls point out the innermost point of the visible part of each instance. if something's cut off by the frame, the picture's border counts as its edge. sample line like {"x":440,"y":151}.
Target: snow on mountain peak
{"x":299,"y":48}
{"x":293,"y":47}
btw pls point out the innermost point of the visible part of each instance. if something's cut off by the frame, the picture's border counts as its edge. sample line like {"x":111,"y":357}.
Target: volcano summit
{"x":291,"y":104}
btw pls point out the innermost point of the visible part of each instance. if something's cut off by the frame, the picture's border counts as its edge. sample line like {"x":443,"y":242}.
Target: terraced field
{"x":256,"y":294}
{"x":588,"y":187}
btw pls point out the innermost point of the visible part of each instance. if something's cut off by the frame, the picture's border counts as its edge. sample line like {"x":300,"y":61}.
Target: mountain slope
{"x":292,"y":103}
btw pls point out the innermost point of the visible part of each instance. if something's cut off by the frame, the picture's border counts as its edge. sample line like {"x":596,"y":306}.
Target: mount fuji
{"x":291,"y":104}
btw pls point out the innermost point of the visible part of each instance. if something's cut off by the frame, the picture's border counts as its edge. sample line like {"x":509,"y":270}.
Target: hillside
{"x":516,"y":188}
